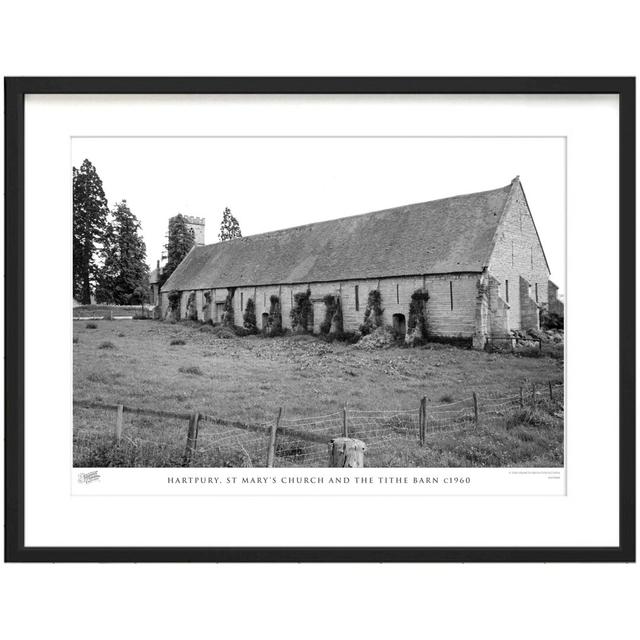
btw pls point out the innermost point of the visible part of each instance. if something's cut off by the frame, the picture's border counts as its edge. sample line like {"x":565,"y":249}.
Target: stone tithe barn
{"x":478,"y":256}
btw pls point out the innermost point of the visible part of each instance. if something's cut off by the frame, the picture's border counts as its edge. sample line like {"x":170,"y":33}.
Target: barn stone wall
{"x":518,"y":254}
{"x":451,"y":309}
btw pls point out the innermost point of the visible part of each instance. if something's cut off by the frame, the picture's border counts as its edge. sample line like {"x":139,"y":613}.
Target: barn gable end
{"x":518,"y":264}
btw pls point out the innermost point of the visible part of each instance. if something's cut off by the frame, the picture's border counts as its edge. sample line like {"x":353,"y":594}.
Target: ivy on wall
{"x":417,"y":325}
{"x":249,"y":317}
{"x":174,"y":298}
{"x":206,"y":307}
{"x":332,"y":322}
{"x":192,"y":313}
{"x":274,"y":321}
{"x":301,"y":313}
{"x":228,"y":316}
{"x":373,"y":313}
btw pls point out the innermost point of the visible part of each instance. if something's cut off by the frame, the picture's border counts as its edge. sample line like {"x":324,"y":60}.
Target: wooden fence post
{"x":192,"y":439}
{"x":346,"y":452}
{"x":271,"y":451}
{"x":117,"y":434}
{"x":424,"y":415}
{"x":423,"y":419}
{"x":550,"y":390}
{"x":345,"y":426}
{"x":475,"y":409}
{"x":521,"y":398}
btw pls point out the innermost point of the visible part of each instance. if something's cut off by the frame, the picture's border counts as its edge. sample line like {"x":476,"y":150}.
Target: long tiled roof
{"x":451,"y":235}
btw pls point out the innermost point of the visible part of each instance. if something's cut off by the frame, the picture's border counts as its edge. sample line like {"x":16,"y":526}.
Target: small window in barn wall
{"x":451,"y":293}
{"x":357,"y":299}
{"x":506,"y":290}
{"x":536,"y":292}
{"x":241,"y":300}
{"x":398,"y":294}
{"x":532,"y":257}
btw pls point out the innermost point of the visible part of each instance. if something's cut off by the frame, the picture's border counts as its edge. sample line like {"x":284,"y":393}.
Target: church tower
{"x":197,"y":226}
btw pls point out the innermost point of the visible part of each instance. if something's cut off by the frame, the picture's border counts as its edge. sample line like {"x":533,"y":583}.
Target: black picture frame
{"x":15,"y":91}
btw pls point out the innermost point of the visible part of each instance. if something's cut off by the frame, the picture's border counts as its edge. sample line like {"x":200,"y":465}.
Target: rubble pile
{"x":381,"y":338}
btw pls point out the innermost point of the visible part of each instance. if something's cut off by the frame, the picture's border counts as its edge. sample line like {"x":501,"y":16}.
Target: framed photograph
{"x":320,"y":319}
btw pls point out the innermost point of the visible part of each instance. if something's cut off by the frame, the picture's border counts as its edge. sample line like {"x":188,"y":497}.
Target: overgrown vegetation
{"x":274,"y":320}
{"x":177,"y":343}
{"x":91,"y":325}
{"x":332,"y":322}
{"x":350,"y":337}
{"x":206,"y":303}
{"x":302,"y":312}
{"x":550,"y":320}
{"x":192,"y":370}
{"x":174,"y":298}
{"x":228,"y":315}
{"x":373,"y":313}
{"x":249,"y":317}
{"x":107,"y":345}
{"x":191,"y":312}
{"x":417,"y":326}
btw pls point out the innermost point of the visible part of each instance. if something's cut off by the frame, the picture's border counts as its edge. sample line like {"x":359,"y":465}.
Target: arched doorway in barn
{"x":265,"y":321}
{"x":400,"y":324}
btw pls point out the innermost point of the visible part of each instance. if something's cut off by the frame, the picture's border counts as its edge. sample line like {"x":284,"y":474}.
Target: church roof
{"x":451,"y":235}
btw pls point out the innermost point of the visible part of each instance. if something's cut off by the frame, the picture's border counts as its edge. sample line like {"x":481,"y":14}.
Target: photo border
{"x":15,"y":91}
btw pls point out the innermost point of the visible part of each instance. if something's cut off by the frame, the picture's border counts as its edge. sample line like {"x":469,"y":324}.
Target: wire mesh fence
{"x":114,"y":435}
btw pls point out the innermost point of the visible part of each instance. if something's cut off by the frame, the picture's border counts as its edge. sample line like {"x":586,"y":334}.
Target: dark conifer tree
{"x":124,"y":275}
{"x":90,"y":210}
{"x":229,"y":227}
{"x":180,"y":241}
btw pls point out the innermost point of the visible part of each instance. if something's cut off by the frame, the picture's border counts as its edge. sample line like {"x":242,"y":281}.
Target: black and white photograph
{"x":304,"y":327}
{"x":321,"y":301}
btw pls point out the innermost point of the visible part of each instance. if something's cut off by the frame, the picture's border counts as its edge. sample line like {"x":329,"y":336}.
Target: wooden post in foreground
{"x":346,"y":452}
{"x":271,"y":451}
{"x":192,"y":439}
{"x":424,"y":415}
{"x":550,"y":390}
{"x":117,"y":434}
{"x":345,"y":426}
{"x":475,"y":409}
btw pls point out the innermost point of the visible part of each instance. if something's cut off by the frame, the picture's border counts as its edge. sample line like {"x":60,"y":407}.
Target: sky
{"x":278,"y":182}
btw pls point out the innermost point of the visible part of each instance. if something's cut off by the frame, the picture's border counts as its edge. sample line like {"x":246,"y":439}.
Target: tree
{"x":229,"y":227}
{"x":124,"y":276}
{"x":107,"y":274}
{"x":180,"y":241}
{"x":90,"y":210}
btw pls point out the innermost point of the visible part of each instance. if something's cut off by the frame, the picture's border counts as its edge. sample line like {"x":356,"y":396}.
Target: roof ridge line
{"x":357,"y":215}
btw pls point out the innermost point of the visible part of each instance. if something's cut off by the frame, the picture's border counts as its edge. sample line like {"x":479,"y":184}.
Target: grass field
{"x":184,"y":367}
